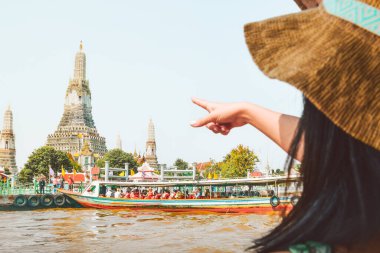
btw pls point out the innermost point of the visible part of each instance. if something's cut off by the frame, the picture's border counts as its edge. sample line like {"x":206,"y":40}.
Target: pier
{"x":27,"y":197}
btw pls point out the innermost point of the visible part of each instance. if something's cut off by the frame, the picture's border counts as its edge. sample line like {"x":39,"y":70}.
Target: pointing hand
{"x":222,"y":117}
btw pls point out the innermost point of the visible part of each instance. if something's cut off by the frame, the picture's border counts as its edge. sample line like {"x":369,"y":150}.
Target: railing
{"x":31,"y":189}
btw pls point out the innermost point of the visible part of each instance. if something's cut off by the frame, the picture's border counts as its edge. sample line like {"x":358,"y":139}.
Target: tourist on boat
{"x":331,"y":54}
{"x":117,"y":193}
{"x":207,"y":193}
{"x":157,"y":195}
{"x":110,"y":193}
{"x":173,"y":194}
{"x":149,"y":194}
{"x":135,"y":194}
{"x":127,"y":194}
{"x":102,"y":190}
{"x":197,"y":193}
{"x":178,"y":195}
{"x":166,"y":195}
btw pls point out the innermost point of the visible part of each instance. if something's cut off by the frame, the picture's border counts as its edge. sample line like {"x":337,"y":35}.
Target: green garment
{"x":310,"y":247}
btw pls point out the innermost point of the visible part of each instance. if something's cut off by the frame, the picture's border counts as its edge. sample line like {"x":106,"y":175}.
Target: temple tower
{"x":77,"y":125}
{"x":119,"y":144}
{"x":150,"y":154}
{"x":7,"y":142}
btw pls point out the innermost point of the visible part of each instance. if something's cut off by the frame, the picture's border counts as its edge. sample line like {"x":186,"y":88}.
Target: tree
{"x":117,"y":159}
{"x":237,"y":162}
{"x":181,"y":164}
{"x":39,"y":161}
{"x":213,"y":168}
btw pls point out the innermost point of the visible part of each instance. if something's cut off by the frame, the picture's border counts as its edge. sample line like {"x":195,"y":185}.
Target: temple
{"x":7,"y":143}
{"x":150,"y":154}
{"x":77,"y":125}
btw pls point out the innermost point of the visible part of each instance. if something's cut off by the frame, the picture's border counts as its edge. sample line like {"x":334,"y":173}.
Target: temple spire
{"x":150,"y":150}
{"x":80,"y":64}
{"x":8,"y":120}
{"x":7,"y":142}
{"x":151,"y":131}
{"x":119,"y":144}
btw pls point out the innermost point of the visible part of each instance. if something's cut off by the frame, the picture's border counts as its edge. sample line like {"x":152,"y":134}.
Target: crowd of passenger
{"x":138,"y":193}
{"x":149,"y":193}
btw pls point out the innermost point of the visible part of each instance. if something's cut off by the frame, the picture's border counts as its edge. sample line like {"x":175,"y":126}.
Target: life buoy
{"x":20,"y":201}
{"x":59,"y":200}
{"x":294,"y":200}
{"x":274,"y":201}
{"x":47,"y":200}
{"x":33,"y":201}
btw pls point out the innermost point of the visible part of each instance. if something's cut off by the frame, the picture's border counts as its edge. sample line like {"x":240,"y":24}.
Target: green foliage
{"x":181,"y":164}
{"x":237,"y":162}
{"x":212,"y":169}
{"x":39,"y":161}
{"x":117,"y":159}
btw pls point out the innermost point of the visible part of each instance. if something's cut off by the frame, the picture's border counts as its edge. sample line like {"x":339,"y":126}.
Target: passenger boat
{"x":249,"y":195}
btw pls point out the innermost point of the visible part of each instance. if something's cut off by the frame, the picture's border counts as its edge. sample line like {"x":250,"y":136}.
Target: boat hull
{"x":230,"y":205}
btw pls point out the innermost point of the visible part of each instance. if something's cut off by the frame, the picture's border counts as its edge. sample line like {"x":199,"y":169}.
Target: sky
{"x":145,"y":59}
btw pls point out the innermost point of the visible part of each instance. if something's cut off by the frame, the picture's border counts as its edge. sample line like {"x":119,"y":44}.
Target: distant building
{"x":86,"y":158}
{"x":119,"y":144}
{"x":150,"y":154}
{"x":7,"y":143}
{"x":77,"y":125}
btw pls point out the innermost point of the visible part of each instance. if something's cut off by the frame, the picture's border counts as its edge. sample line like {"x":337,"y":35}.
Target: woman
{"x":331,"y":54}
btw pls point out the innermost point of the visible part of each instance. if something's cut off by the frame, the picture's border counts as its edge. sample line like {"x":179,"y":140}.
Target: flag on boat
{"x":51,"y":171}
{"x":215,"y":176}
{"x":209,"y":175}
{"x":63,"y":173}
{"x":132,"y":172}
{"x":122,"y":174}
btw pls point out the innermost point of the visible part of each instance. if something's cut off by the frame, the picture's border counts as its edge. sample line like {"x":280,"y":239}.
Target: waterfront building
{"x":77,"y":125}
{"x":7,"y":143}
{"x":150,"y":154}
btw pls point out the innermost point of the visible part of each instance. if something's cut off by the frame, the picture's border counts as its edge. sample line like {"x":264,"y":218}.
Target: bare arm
{"x":223,"y":117}
{"x":308,"y":4}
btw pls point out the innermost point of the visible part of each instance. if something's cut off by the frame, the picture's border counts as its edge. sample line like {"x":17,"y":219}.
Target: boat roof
{"x":241,"y":181}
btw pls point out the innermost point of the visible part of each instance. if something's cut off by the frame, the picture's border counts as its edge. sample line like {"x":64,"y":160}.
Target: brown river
{"x":92,"y":230}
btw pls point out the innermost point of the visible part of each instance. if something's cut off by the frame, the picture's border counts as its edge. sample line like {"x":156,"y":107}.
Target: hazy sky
{"x":144,"y":59}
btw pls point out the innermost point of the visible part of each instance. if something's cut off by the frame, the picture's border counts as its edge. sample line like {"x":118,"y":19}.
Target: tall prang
{"x":7,"y":142}
{"x":150,"y":153}
{"x":77,"y":125}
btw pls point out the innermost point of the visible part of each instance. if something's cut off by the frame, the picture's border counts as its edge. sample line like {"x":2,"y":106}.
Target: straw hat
{"x":332,"y":54}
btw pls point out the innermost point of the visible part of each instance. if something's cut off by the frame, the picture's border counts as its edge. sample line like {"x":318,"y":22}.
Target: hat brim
{"x":333,"y":62}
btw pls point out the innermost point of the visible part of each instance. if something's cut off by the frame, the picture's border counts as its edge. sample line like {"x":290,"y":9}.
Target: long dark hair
{"x":340,"y":201}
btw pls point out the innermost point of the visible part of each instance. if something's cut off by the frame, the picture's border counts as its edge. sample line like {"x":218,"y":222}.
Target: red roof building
{"x":79,"y":177}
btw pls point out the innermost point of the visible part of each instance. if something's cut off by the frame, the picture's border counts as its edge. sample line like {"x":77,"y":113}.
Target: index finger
{"x":202,"y":103}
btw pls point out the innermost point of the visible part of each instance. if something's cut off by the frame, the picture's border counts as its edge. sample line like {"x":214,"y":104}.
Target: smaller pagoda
{"x":145,"y":174}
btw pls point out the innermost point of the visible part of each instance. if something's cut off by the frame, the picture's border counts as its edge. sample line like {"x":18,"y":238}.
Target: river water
{"x":92,"y":230}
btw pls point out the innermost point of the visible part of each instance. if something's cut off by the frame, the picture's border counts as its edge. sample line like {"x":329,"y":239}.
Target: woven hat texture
{"x":335,"y":63}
